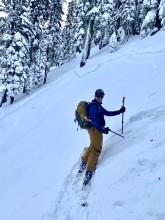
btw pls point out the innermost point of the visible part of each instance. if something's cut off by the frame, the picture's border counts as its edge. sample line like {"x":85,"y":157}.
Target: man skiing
{"x":96,"y":115}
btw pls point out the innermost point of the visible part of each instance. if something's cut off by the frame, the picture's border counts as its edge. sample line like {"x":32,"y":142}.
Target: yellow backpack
{"x":82,"y":115}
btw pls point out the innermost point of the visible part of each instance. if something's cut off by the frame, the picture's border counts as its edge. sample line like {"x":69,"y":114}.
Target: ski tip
{"x":84,"y":204}
{"x":84,"y":187}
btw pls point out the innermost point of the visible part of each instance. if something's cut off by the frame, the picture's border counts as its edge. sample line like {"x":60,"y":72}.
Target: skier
{"x":96,"y":131}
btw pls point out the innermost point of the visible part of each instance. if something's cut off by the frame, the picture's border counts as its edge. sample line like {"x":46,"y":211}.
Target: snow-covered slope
{"x":40,"y":146}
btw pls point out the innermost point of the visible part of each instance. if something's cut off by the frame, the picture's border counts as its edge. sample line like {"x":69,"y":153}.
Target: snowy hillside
{"x":40,"y":147}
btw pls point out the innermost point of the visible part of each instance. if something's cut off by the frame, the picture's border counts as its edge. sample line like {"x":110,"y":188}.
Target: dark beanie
{"x":99,"y":92}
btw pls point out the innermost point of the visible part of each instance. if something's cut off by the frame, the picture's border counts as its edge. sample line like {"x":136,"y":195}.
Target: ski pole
{"x":123,"y":101}
{"x":116,"y":133}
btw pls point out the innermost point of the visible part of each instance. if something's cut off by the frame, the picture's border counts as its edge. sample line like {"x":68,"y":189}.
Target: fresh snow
{"x":93,"y":11}
{"x":40,"y":147}
{"x":150,"y":17}
{"x":106,"y":16}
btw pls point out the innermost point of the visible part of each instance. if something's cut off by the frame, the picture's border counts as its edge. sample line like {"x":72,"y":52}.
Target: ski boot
{"x":82,"y":167}
{"x":88,"y":177}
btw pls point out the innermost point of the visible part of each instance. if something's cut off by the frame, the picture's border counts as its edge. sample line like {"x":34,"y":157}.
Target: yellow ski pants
{"x":93,"y":151}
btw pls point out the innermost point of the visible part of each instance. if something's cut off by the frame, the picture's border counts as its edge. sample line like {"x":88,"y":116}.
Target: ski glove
{"x":106,"y":130}
{"x":122,"y":110}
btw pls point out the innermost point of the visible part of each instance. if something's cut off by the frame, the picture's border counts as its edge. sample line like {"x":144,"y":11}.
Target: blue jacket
{"x":96,"y":114}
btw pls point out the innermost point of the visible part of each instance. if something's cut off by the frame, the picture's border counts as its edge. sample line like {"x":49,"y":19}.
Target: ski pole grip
{"x":123,"y":101}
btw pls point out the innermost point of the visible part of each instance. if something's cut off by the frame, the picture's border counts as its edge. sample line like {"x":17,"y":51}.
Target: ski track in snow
{"x":121,"y":55}
{"x":157,"y":113}
{"x":68,"y":205}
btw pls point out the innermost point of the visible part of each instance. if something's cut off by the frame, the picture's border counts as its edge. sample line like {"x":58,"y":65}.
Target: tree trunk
{"x":101,"y":40}
{"x":11,"y":99}
{"x":4,"y":98}
{"x":45,"y":77}
{"x":87,"y":47}
{"x":158,"y":22}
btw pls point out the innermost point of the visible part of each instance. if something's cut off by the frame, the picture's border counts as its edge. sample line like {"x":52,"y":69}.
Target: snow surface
{"x":40,"y":147}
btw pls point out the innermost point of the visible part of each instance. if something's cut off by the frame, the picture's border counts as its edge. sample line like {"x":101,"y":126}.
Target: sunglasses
{"x":100,"y":96}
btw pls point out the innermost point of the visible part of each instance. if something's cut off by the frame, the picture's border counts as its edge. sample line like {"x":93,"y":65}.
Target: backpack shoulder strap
{"x":94,"y":103}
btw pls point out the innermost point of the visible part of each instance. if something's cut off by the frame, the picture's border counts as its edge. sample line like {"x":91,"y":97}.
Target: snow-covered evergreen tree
{"x":107,"y":22}
{"x":31,"y":42}
{"x":139,"y":16}
{"x":113,"y":44}
{"x":55,"y":52}
{"x":39,"y":15}
{"x":121,"y":35}
{"x":149,"y":23}
{"x":70,"y":31}
{"x":81,"y":24}
{"x":149,"y":17}
{"x":15,"y":62}
{"x":128,"y":15}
